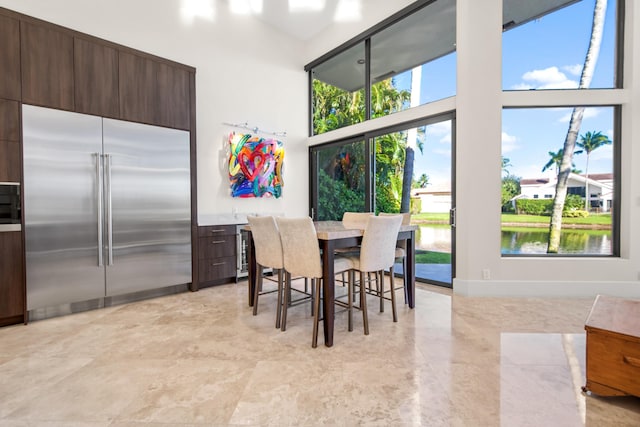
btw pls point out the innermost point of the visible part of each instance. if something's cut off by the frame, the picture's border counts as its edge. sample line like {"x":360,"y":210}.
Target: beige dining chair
{"x":401,"y":255}
{"x":301,"y":256}
{"x":268,"y":248}
{"x":353,"y":220}
{"x":377,"y":253}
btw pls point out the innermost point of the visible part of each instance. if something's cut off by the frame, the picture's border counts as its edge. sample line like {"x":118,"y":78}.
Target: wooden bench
{"x":613,"y":347}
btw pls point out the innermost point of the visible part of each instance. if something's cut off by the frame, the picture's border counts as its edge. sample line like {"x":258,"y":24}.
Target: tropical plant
{"x":506,"y":162}
{"x":556,"y":160}
{"x":590,"y":142}
{"x":591,"y":58}
{"x":510,"y":189}
{"x":421,"y":182}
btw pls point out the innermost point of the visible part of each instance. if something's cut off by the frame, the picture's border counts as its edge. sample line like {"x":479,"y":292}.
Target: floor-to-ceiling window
{"x":560,"y":159}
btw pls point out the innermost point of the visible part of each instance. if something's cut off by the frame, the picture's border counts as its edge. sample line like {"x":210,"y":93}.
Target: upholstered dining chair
{"x":301,"y":256}
{"x":353,"y":220}
{"x":401,"y":255}
{"x":377,"y":253}
{"x":266,"y":241}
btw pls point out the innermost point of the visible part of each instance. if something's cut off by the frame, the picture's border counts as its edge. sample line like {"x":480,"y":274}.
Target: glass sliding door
{"x":413,"y":173}
{"x":339,"y":179}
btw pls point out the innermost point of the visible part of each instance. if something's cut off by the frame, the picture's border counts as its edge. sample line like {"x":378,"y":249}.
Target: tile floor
{"x":201,"y":358}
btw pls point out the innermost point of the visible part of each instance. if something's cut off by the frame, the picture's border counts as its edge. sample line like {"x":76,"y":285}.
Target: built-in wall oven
{"x":10,"y":211}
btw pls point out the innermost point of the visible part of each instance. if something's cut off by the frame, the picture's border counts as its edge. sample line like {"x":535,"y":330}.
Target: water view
{"x":522,"y":240}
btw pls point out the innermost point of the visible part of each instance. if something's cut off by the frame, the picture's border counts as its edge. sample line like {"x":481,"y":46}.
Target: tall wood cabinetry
{"x":51,"y":66}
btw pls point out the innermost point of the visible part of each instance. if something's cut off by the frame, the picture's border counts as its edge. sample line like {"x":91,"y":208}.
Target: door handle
{"x":452,"y":217}
{"x":100,"y":197}
{"x":109,"y":210}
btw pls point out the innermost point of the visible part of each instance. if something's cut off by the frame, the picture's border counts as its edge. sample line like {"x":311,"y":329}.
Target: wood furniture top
{"x":332,"y":230}
{"x":615,"y":314}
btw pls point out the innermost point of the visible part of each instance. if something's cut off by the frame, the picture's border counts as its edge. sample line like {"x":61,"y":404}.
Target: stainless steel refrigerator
{"x":106,"y":207}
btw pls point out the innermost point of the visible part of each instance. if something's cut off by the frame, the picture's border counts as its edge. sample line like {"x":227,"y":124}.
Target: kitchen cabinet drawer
{"x":217,"y":268}
{"x":217,"y":230}
{"x":217,"y":246}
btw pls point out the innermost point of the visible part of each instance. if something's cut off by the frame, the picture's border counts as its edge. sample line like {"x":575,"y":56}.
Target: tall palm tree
{"x":555,"y":226}
{"x":590,"y":142}
{"x":556,"y":161}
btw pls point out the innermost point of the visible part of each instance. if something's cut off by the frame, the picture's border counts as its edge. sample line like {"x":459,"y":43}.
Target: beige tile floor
{"x":201,"y":358}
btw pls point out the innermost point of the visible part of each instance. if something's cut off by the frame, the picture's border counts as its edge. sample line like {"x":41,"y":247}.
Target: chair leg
{"x":257,"y":290}
{"x":404,"y":278}
{"x":285,"y":302}
{"x":363,"y":304}
{"x":279,"y":304}
{"x":316,"y":315}
{"x":350,"y":298}
{"x":381,"y":275}
{"x":393,"y":295}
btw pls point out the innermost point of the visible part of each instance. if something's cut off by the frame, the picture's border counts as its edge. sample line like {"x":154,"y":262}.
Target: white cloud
{"x":548,"y":78}
{"x":509,"y":143}
{"x":603,"y":153}
{"x":443,"y":152}
{"x":575,"y":69}
{"x":440,"y":128}
{"x":588,"y":113}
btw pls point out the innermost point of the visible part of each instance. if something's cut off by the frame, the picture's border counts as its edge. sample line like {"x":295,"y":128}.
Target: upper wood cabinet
{"x":173,"y":93}
{"x":95,"y":78}
{"x":153,"y":92}
{"x":10,"y":157}
{"x":138,"y":97}
{"x":10,"y":58}
{"x":47,"y":66}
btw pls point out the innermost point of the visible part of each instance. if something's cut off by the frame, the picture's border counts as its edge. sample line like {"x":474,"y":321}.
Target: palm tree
{"x":556,"y":160}
{"x":555,"y":226}
{"x":590,"y":142}
{"x":422,"y":182}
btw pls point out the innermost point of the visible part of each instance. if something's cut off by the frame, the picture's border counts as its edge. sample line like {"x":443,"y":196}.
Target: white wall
{"x":245,"y":71}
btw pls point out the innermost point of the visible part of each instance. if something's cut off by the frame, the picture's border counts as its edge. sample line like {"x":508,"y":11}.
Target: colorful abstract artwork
{"x":255,"y":166}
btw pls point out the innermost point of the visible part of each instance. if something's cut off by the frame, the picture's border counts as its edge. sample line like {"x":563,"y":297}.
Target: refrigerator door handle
{"x":109,"y":210}
{"x":100,"y":198}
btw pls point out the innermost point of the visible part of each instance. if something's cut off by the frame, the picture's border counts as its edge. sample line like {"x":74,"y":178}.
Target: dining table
{"x":331,"y":236}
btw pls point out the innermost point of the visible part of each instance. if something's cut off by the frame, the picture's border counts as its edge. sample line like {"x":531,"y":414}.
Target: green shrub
{"x":577,"y":213}
{"x":534,"y":206}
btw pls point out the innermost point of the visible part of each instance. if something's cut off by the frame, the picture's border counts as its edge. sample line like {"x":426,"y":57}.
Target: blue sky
{"x":547,"y":53}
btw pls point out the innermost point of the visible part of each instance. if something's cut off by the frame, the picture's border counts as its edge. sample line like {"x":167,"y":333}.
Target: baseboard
{"x":522,"y":288}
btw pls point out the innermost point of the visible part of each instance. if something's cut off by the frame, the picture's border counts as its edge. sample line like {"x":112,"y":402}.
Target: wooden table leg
{"x":251,"y":260}
{"x":328,"y":289}
{"x":411,"y":269}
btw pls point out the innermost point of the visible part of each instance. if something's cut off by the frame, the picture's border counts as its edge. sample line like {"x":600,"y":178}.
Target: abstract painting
{"x":255,"y":166}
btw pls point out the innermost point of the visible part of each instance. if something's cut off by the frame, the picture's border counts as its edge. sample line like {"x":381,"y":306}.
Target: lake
{"x":521,"y":240}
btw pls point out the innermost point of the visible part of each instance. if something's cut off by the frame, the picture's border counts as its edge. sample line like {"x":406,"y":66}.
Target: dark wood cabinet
{"x":47,"y":66}
{"x":153,"y":92}
{"x":12,"y":295}
{"x":217,"y":254}
{"x":173,"y":97}
{"x":10,"y":55}
{"x":10,"y":158}
{"x":95,"y":78}
{"x":137,"y":83}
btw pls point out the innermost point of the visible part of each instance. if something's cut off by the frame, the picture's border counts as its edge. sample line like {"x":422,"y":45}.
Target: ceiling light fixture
{"x":245,"y":7}
{"x":348,"y":11}
{"x":296,"y":6}
{"x":192,"y":9}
